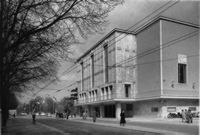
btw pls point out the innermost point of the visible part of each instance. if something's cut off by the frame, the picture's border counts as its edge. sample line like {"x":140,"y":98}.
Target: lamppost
{"x":54,"y":104}
{"x":39,"y":108}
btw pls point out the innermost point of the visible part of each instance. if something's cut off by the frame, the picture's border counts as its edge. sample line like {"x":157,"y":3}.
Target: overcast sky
{"x":123,"y":16}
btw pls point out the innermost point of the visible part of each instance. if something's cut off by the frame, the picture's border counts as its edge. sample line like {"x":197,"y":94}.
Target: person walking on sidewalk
{"x":183,"y":116}
{"x":34,"y":116}
{"x":189,"y":116}
{"x":122,"y":119}
{"x":94,"y":116}
{"x":84,"y":115}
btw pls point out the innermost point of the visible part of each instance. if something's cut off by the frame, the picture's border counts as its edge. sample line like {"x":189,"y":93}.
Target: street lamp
{"x":54,"y":105}
{"x":39,"y":108}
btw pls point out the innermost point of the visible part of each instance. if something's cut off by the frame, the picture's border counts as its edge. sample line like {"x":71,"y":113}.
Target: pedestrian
{"x":183,"y":116}
{"x":94,"y":116}
{"x":190,"y":116}
{"x":34,"y":116}
{"x":68,"y":115}
{"x":84,"y":115}
{"x":186,"y":116}
{"x":122,"y":120}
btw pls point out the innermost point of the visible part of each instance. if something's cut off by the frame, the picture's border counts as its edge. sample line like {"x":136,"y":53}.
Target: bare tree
{"x":49,"y":105}
{"x":68,"y":105}
{"x":34,"y":33}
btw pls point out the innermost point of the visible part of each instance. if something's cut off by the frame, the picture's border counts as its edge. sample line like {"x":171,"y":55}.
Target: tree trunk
{"x":5,"y":106}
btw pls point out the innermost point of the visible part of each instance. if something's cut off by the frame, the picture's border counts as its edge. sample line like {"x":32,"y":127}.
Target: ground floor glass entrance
{"x":109,"y":111}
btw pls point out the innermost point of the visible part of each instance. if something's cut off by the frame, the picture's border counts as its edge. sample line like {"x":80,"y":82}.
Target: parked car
{"x":195,"y":114}
{"x":49,"y":115}
{"x":23,"y":114}
{"x":174,"y":115}
{"x":42,"y":114}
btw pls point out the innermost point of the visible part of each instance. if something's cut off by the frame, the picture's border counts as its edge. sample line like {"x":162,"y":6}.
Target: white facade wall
{"x":186,"y":42}
{"x":120,"y":71}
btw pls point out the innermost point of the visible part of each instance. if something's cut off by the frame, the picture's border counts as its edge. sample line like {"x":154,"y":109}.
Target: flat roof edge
{"x":138,"y":30}
{"x":101,"y":40}
{"x":158,"y":18}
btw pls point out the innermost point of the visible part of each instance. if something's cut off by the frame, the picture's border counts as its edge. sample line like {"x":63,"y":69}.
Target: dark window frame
{"x":127,"y":88}
{"x":154,"y":109}
{"x":92,"y":72}
{"x":182,"y":73}
{"x":106,"y":62}
{"x":129,"y":107}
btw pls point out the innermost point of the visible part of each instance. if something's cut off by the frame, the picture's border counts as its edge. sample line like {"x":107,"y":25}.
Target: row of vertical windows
{"x":92,"y":96}
{"x":182,"y":71}
{"x":92,"y":68}
{"x":106,"y":92}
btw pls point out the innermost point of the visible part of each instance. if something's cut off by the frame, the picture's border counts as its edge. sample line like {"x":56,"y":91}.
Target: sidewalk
{"x":175,"y":121}
{"x":163,"y":126}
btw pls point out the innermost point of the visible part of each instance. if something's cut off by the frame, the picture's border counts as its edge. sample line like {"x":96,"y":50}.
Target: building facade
{"x":105,"y":72}
{"x":148,"y":73}
{"x":168,"y":74}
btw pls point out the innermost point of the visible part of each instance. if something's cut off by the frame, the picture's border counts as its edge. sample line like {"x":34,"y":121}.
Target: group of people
{"x":187,"y":116}
{"x":59,"y":115}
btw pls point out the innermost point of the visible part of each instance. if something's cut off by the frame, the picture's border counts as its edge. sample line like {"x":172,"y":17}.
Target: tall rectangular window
{"x":182,"y":73}
{"x":92,"y":70}
{"x":106,"y":62}
{"x":182,"y":68}
{"x":127,"y":90}
{"x":82,"y":76}
{"x":102,"y":93}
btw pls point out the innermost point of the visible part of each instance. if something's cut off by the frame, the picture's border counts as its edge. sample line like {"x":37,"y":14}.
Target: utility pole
{"x":54,"y":108}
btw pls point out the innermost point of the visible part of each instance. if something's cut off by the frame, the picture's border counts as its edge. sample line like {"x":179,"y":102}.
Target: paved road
{"x":24,"y":126}
{"x":52,"y":126}
{"x":79,"y":128}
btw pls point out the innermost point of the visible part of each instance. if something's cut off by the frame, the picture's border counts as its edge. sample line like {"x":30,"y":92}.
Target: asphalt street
{"x":24,"y":126}
{"x":79,"y":128}
{"x":52,"y":126}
